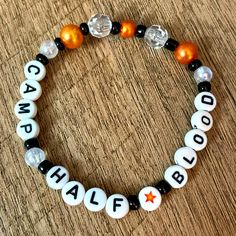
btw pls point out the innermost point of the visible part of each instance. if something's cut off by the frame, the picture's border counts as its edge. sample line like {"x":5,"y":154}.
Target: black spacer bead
{"x":59,"y":44}
{"x":195,"y":64}
{"x":163,"y":187}
{"x":31,"y":143}
{"x":84,"y":28}
{"x":204,"y":87}
{"x":115,"y":29}
{"x":171,"y":44}
{"x":41,"y":58}
{"x":140,"y":31}
{"x":133,"y":202}
{"x":45,"y":166}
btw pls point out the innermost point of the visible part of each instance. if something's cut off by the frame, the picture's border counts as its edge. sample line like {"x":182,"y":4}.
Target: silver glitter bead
{"x":49,"y":49}
{"x":34,"y":156}
{"x":99,"y":25}
{"x":202,"y":74}
{"x":156,"y":36}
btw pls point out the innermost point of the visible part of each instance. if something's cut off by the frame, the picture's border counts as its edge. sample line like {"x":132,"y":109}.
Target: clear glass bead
{"x":49,"y":49}
{"x":34,"y":156}
{"x":156,"y":36}
{"x":202,"y":74}
{"x":99,"y":25}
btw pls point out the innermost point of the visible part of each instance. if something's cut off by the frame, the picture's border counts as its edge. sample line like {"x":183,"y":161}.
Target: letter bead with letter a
{"x":73,"y":193}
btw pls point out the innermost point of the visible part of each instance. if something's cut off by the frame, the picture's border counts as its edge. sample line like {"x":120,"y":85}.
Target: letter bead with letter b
{"x":176,"y":176}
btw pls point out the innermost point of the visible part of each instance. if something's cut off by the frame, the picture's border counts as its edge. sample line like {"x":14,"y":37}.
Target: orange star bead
{"x":128,"y":28}
{"x":150,"y":197}
{"x":186,"y":52}
{"x":71,"y":36}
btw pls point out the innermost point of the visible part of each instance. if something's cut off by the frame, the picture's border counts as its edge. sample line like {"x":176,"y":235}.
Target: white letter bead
{"x":95,"y":199}
{"x":73,"y":193}
{"x":196,"y":139}
{"x":176,"y":176}
{"x":34,"y":70}
{"x":117,"y":206}
{"x":30,"y":89}
{"x":202,"y":120}
{"x":185,"y":157}
{"x":25,"y":109}
{"x":149,"y":198}
{"x":27,"y":129}
{"x":57,"y":177}
{"x":205,"y":101}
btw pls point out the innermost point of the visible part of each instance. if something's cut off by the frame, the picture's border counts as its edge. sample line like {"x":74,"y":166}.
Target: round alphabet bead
{"x":202,"y":120}
{"x":149,"y":198}
{"x":30,"y":89}
{"x":176,"y":176}
{"x":185,"y":157}
{"x":34,"y":70}
{"x":95,"y":199}
{"x":195,"y":139}
{"x":27,"y":129}
{"x":25,"y":109}
{"x":57,"y":177}
{"x":117,"y":206}
{"x":73,"y":193}
{"x":205,"y":101}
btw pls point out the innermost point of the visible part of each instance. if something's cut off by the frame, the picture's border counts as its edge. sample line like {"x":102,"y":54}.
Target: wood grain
{"x":113,"y":113}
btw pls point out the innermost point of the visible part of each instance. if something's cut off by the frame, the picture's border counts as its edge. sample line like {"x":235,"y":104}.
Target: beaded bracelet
{"x":57,"y":177}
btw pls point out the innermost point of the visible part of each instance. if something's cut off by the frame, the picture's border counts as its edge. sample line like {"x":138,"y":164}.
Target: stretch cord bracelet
{"x":57,"y":177}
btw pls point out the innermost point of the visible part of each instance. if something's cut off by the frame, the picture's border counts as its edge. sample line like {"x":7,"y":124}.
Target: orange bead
{"x":128,"y":28}
{"x":71,"y":36}
{"x":186,"y":52}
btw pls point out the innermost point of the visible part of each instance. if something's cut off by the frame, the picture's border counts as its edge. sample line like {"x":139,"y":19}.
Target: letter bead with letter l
{"x":95,"y":199}
{"x":185,"y":157}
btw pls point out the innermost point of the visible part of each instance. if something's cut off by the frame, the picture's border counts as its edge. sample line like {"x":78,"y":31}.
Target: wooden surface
{"x":113,"y":113}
